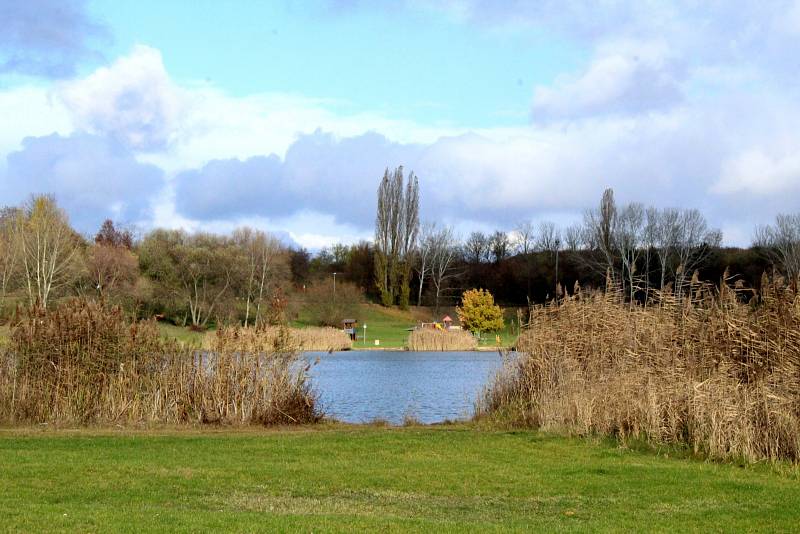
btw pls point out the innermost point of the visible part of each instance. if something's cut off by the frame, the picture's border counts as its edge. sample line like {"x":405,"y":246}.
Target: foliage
{"x":110,"y":236}
{"x":396,"y":228}
{"x":196,"y":270}
{"x":49,"y":249}
{"x":478,"y":312}
{"x":325,"y":306}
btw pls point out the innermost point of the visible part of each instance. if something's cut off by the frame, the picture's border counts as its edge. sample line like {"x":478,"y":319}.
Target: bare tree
{"x":425,"y":252}
{"x":476,"y":247}
{"x":600,"y":225}
{"x":649,"y":244}
{"x":694,"y":243}
{"x":444,"y":246}
{"x":548,"y":240}
{"x":782,"y":241}
{"x":524,"y":238}
{"x":113,"y":269}
{"x":629,"y":241}
{"x":574,"y":237}
{"x":266,"y":268}
{"x":548,"y":237}
{"x":49,"y":248}
{"x":665,"y":240}
{"x":499,"y":246}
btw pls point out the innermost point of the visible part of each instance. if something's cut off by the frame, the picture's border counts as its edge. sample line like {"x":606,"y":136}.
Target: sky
{"x":283,"y":115}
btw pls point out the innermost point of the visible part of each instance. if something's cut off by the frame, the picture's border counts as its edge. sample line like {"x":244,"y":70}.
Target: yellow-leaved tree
{"x":478,"y":312}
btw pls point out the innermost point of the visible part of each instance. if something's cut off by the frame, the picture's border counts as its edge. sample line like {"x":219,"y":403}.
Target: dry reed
{"x":311,"y":338}
{"x":710,"y":371}
{"x":429,"y":339}
{"x":84,"y":363}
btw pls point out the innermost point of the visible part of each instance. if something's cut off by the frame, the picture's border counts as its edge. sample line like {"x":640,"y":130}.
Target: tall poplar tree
{"x":396,"y":230}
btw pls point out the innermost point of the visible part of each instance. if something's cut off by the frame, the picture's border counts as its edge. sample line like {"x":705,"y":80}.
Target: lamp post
{"x":334,"y":287}
{"x":365,"y":334}
{"x":558,"y":246}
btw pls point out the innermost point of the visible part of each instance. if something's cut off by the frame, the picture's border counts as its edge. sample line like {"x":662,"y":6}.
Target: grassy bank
{"x":342,"y":478}
{"x":181,"y":333}
{"x":392,"y":326}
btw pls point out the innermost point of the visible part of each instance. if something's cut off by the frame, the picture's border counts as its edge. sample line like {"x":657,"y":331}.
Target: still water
{"x":361,"y":386}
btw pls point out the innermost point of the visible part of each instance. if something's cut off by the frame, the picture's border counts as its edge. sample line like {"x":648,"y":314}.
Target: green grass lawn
{"x":181,"y":333}
{"x":388,"y":326}
{"x":391,"y":326}
{"x":444,"y":479}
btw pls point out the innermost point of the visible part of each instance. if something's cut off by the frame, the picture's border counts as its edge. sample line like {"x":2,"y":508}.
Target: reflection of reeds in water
{"x":709,"y":371}
{"x":428,"y":339}
{"x":84,"y":363}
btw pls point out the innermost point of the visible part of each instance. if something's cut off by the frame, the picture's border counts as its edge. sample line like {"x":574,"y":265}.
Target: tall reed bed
{"x":710,"y":371}
{"x":312,"y":338}
{"x":84,"y":363}
{"x":441,"y":340}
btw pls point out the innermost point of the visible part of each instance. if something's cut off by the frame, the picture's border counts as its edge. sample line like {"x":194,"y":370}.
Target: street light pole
{"x":334,"y":287}
{"x":558,"y":246}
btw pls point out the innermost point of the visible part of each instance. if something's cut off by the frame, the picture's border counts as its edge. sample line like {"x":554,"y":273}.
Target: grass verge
{"x":336,"y":478}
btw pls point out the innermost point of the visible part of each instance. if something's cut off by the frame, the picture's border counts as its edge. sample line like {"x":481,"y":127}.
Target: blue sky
{"x":418,"y":66}
{"x":282,"y":115}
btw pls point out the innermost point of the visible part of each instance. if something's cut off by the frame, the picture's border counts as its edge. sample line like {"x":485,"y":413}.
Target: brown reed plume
{"x":429,"y":339}
{"x":311,"y":338}
{"x":84,"y":363}
{"x":714,"y":371}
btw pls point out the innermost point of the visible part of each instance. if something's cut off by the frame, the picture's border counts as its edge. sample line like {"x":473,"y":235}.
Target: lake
{"x":361,"y":386}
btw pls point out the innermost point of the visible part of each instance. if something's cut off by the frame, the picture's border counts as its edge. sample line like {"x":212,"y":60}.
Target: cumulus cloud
{"x":45,"y":37}
{"x":133,"y":100}
{"x":618,"y":83}
{"x":42,"y":115}
{"x":320,"y":172}
{"x":93,"y":178}
{"x":694,"y":155}
{"x":756,"y":172}
{"x":678,"y":104}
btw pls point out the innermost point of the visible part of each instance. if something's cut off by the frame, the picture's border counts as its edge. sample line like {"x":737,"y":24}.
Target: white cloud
{"x":31,"y":112}
{"x":133,"y":100}
{"x":618,"y":82}
{"x":757,"y":172}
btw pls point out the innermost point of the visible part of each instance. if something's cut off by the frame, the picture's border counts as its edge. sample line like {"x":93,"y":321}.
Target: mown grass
{"x":181,"y":333}
{"x":389,"y":325}
{"x":392,"y":326}
{"x":448,"y":479}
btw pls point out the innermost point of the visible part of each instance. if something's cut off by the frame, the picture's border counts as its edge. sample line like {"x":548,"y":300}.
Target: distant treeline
{"x":519,"y":277}
{"x":249,"y":277}
{"x":641,"y":249}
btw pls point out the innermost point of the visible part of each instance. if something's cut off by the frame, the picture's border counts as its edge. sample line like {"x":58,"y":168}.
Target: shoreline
{"x":402,"y":349}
